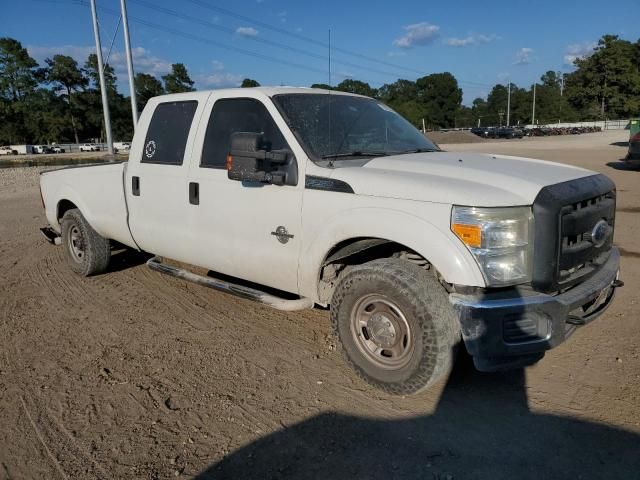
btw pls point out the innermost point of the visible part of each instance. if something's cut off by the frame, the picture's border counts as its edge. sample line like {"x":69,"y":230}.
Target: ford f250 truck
{"x":309,"y":197}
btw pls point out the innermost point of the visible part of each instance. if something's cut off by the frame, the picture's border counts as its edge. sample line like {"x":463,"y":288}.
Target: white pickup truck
{"x":331,"y":199}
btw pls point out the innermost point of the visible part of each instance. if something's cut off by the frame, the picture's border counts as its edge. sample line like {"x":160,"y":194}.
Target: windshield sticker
{"x":150,"y":149}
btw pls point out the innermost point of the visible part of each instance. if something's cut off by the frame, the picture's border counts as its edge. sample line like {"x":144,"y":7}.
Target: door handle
{"x":194,"y":193}
{"x":135,"y":186}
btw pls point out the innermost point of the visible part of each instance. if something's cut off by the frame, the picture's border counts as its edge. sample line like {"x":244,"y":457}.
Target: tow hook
{"x":51,"y":235}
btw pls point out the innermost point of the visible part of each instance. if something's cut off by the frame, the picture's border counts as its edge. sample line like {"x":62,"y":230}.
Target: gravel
{"x":462,"y":136}
{"x":19,"y":178}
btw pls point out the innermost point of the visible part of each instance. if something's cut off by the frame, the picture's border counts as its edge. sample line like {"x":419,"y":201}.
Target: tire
{"x":395,"y":324}
{"x":87,"y":252}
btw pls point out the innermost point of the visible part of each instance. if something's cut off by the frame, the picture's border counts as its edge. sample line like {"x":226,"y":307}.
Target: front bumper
{"x":513,"y":328}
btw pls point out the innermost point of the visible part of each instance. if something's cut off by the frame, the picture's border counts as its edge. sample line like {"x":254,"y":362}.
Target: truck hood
{"x":457,"y":178}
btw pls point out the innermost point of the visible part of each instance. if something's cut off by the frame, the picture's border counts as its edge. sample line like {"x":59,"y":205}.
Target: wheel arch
{"x":63,"y":207}
{"x":373,"y":233}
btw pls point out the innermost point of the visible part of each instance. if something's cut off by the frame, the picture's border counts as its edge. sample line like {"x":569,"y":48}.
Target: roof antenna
{"x":329,"y":57}
{"x":331,"y":161}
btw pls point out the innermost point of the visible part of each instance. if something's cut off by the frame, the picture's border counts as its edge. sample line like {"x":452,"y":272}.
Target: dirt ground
{"x":132,"y":374}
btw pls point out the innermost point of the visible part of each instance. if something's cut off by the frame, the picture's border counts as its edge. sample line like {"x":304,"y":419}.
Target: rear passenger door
{"x":156,"y":178}
{"x":237,"y":222}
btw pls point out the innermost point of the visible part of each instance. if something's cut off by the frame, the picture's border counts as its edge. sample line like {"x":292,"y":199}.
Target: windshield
{"x":343,"y":126}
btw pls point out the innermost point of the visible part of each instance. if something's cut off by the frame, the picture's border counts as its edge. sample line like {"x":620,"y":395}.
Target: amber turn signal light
{"x":469,"y":234}
{"x":229,"y":161}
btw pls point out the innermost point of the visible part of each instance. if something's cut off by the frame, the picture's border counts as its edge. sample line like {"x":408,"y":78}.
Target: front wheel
{"x":396,"y":325}
{"x":87,"y":252}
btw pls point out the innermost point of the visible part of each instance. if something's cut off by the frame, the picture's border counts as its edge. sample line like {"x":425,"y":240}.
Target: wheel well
{"x":63,"y":207}
{"x":357,"y":251}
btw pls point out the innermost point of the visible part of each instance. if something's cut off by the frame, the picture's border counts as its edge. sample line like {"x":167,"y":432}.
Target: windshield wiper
{"x":354,"y":154}
{"x":417,"y":150}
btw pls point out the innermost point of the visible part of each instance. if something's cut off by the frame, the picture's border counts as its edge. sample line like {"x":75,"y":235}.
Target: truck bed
{"x":97,"y":190}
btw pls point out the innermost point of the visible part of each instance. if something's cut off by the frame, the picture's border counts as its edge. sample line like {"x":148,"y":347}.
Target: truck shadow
{"x":123,"y":258}
{"x":622,"y":165}
{"x":482,"y":428}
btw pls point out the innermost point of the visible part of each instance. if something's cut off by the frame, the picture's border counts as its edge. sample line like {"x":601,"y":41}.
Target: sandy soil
{"x":458,"y":136}
{"x":136,"y":375}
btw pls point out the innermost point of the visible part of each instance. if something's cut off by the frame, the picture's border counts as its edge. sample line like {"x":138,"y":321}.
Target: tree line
{"x":60,"y":100}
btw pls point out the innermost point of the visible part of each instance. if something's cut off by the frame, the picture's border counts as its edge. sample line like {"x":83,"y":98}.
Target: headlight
{"x":500,"y":239}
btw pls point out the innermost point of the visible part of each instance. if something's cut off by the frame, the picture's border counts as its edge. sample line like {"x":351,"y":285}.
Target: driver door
{"x":246,"y":230}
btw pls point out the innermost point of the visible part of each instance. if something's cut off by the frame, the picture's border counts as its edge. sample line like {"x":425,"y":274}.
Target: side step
{"x":51,"y":235}
{"x":278,"y":303}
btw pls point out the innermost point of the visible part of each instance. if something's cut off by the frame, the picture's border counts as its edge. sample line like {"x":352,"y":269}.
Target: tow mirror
{"x":252,"y":160}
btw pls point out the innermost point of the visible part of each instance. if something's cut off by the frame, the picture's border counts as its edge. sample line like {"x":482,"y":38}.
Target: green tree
{"x":480,"y":111}
{"x":91,"y":72}
{"x":402,"y":95}
{"x":607,"y":83}
{"x":356,"y":86}
{"x":19,"y":79}
{"x":18,"y":76}
{"x":67,"y":79}
{"x":178,"y":80}
{"x":147,"y":86}
{"x":497,"y":104}
{"x":440,"y":98}
{"x":249,"y":83}
{"x":323,"y":86}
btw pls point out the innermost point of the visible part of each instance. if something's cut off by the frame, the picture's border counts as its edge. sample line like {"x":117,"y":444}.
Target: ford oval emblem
{"x":600,"y":233}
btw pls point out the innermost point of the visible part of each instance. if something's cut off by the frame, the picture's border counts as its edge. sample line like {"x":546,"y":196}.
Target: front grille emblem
{"x":600,"y":233}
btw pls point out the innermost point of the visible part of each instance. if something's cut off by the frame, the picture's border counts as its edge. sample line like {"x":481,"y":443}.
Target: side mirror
{"x":252,"y":160}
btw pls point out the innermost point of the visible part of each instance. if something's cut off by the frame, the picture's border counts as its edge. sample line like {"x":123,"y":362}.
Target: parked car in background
{"x":57,"y":149}
{"x":41,"y":149}
{"x":481,"y":131}
{"x":6,"y":150}
{"x":89,"y":147}
{"x":121,"y":146}
{"x":508,"y":132}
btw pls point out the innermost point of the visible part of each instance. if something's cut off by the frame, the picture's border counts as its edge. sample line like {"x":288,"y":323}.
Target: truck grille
{"x":566,"y":214}
{"x":580,"y":254}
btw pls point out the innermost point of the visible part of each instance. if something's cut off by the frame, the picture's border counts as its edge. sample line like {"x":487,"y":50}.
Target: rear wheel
{"x":87,"y":252}
{"x":396,"y":325}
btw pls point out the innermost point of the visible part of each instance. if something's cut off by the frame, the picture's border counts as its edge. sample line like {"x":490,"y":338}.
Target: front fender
{"x":441,"y":248}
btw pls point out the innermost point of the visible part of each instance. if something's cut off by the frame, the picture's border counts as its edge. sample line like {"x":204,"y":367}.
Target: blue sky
{"x":284,"y":42}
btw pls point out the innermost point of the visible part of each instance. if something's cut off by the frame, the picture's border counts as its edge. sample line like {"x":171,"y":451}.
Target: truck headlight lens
{"x":500,"y":239}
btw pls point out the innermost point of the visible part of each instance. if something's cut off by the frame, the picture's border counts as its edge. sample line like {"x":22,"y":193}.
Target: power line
{"x":231,"y":31}
{"x":469,"y":84}
{"x":191,"y":36}
{"x":265,"y":41}
{"x":297,"y":36}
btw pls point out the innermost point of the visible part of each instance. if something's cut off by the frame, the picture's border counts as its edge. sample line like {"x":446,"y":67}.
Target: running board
{"x":51,"y":235}
{"x":278,"y":303}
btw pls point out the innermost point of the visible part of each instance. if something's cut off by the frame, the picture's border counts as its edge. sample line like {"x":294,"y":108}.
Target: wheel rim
{"x":76,"y":244}
{"x":381,"y":332}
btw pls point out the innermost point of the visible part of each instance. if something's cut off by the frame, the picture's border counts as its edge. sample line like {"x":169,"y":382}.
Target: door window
{"x":168,"y":132}
{"x":233,"y":115}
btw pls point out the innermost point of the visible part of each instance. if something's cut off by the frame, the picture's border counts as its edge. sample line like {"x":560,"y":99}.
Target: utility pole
{"x":533,"y":113}
{"x":103,"y":86}
{"x":603,"y":93}
{"x":508,"y":103}
{"x":127,"y":47}
{"x":561,"y":85}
